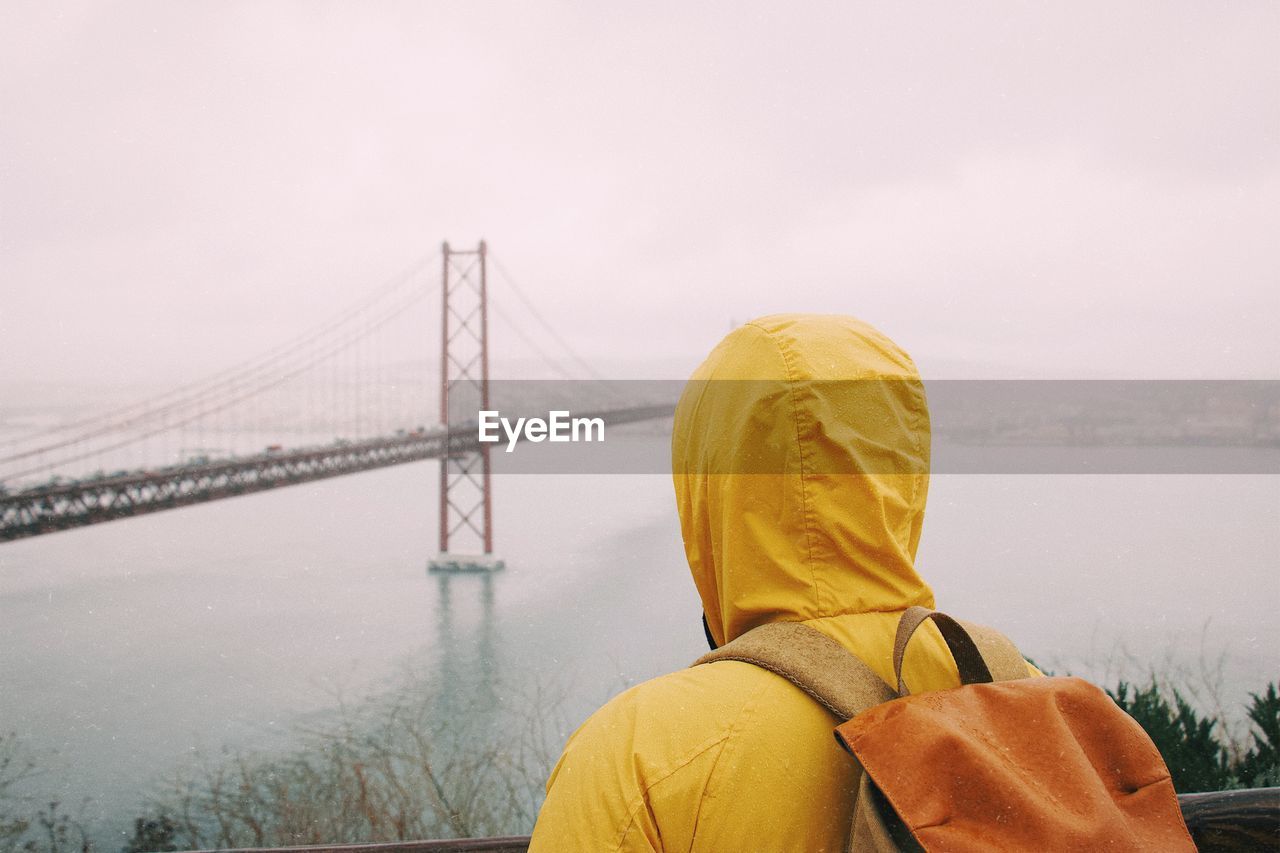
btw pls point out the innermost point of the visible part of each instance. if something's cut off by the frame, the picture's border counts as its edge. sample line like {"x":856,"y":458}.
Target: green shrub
{"x":1200,"y":758}
{"x":1260,"y":767}
{"x":1197,"y":759}
{"x":152,"y":835}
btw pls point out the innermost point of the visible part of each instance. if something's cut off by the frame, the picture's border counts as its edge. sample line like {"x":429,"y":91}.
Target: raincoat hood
{"x":800,"y":458}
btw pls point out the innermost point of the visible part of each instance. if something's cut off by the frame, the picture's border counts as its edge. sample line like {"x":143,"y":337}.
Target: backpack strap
{"x":1003,"y":659}
{"x":812,"y":661}
{"x":981,"y":654}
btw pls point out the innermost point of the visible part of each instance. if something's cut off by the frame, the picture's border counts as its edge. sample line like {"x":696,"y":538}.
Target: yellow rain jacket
{"x":793,"y":507}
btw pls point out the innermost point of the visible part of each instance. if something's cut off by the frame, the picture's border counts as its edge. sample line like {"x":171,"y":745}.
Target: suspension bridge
{"x":351,"y":394}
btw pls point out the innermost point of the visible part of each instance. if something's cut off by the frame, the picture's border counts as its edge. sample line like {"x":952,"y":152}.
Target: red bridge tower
{"x":466,"y":506}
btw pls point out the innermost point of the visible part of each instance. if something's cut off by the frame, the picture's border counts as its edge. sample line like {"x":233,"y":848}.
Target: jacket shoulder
{"x":646,"y":768}
{"x":660,"y":723}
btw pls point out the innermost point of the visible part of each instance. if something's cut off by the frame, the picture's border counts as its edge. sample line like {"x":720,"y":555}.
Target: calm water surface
{"x":127,"y":646}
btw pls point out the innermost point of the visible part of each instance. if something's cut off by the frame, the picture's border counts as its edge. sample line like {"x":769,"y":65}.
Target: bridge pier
{"x":465,"y":564}
{"x":466,"y":506}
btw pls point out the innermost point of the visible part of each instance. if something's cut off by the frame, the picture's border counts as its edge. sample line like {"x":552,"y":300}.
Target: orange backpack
{"x":1003,"y":762}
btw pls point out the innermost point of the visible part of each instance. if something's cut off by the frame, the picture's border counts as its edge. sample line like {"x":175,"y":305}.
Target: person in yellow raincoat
{"x":800,"y":456}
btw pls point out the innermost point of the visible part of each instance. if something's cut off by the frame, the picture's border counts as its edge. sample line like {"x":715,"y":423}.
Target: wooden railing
{"x":1220,"y":822}
{"x":510,"y":844}
{"x":1228,"y":821}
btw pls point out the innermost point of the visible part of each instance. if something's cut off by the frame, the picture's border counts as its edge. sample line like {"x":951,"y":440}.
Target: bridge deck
{"x":50,"y":508}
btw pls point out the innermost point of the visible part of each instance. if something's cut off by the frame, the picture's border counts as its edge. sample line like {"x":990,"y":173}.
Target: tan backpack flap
{"x":1025,"y":764}
{"x":812,"y":661}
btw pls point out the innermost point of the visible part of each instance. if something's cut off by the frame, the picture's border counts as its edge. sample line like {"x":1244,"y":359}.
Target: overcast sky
{"x":1025,"y":189}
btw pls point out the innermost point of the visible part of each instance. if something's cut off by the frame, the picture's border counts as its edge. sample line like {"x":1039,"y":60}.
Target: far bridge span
{"x":343,"y":378}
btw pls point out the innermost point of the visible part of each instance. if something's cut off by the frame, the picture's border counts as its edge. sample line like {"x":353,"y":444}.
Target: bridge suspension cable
{"x":195,"y":402}
{"x":177,"y":398}
{"x":529,"y":305}
{"x":341,"y":346}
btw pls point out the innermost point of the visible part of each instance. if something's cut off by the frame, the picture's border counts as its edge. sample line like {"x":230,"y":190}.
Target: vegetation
{"x":15,"y":768}
{"x":152,"y":835}
{"x":1199,"y":758}
{"x":411,"y":765}
{"x":405,"y":766}
{"x":42,"y":828}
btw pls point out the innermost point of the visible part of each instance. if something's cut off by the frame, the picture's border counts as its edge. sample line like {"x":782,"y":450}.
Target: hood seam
{"x":804,"y":483}
{"x":919,"y":416}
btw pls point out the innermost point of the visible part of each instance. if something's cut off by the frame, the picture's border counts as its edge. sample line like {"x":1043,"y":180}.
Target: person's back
{"x":800,"y":456}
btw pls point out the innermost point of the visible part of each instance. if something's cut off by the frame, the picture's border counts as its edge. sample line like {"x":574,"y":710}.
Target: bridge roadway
{"x":62,"y":506}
